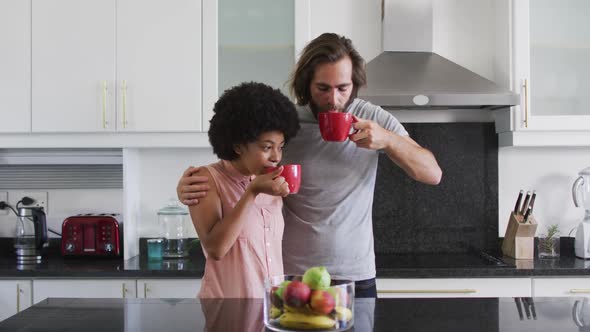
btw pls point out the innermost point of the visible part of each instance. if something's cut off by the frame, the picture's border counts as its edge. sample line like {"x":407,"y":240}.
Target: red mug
{"x":335,"y":126}
{"x":292,"y":174}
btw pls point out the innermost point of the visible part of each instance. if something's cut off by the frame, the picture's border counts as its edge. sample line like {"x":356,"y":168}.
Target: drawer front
{"x":561,"y":287}
{"x":464,"y":287}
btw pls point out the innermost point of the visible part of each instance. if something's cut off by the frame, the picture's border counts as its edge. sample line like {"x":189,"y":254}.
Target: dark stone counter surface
{"x":388,"y":266}
{"x":459,"y":314}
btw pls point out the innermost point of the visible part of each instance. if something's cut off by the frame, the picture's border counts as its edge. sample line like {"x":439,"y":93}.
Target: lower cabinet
{"x":561,"y":287}
{"x":168,"y":288}
{"x":115,"y":288}
{"x":15,"y":296}
{"x":465,"y":287}
{"x":81,"y":288}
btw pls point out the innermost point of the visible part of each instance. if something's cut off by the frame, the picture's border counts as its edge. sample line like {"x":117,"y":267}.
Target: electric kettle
{"x":581,"y":195}
{"x":31,"y":235}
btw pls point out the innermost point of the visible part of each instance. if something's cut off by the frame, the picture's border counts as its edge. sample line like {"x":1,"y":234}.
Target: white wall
{"x":157,"y":172}
{"x":550,"y":171}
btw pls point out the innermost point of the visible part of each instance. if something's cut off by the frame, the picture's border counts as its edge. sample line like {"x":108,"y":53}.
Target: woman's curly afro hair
{"x":246,"y":111}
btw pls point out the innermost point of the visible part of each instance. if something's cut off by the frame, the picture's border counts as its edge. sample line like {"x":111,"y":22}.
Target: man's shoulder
{"x":367,"y":110}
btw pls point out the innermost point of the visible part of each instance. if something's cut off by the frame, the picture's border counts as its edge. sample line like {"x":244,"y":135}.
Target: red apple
{"x":296,"y":294}
{"x":322,"y":302}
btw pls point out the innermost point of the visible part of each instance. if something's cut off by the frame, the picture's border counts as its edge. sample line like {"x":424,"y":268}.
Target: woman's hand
{"x":270,"y":183}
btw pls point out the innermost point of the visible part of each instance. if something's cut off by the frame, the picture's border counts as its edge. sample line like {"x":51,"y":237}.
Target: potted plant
{"x":549,"y":242}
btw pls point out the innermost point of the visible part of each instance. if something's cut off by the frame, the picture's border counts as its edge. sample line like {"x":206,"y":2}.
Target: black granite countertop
{"x":388,"y":266}
{"x":459,"y":314}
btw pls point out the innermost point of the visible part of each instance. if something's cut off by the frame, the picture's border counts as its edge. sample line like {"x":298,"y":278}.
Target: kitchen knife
{"x":532,"y":203}
{"x":526,"y":215}
{"x":526,"y":307}
{"x":517,"y":206}
{"x":525,"y":205}
{"x":518,"y":307}
{"x":532,"y":303}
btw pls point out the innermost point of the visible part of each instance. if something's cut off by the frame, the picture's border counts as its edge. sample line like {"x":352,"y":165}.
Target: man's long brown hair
{"x":328,"y":47}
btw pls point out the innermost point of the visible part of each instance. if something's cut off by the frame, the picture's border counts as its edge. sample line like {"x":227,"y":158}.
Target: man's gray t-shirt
{"x":329,"y":222}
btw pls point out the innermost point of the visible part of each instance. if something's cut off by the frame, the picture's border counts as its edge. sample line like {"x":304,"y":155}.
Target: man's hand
{"x":370,"y":135}
{"x":191,"y":187}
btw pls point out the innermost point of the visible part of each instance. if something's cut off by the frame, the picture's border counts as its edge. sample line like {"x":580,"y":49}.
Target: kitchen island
{"x":459,"y":314}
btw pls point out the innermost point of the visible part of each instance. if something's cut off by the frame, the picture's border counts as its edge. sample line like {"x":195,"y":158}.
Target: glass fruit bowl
{"x":294,"y":303}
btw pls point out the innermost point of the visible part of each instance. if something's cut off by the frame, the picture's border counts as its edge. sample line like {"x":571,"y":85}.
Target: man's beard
{"x":315,"y":109}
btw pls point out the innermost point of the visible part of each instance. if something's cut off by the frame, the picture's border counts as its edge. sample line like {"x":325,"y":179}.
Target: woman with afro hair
{"x":239,"y":221}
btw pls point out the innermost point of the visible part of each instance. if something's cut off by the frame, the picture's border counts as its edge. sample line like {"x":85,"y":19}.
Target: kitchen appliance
{"x":173,"y":219}
{"x":581,"y":195}
{"x":410,"y":75}
{"x":31,"y":235}
{"x":92,"y":235}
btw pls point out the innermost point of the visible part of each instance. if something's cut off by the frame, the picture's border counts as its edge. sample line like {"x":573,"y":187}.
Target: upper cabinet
{"x":15,"y":83}
{"x":551,"y":71}
{"x":125,"y":65}
{"x":255,"y":41}
{"x":73,"y":61}
{"x":128,"y":73}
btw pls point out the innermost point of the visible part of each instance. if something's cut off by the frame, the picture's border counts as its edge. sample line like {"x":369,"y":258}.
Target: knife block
{"x":519,"y":240}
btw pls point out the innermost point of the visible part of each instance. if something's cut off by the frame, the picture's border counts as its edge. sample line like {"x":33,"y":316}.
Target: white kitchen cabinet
{"x":73,"y":65}
{"x":116,"y":65}
{"x":15,"y":296}
{"x":454,"y":287}
{"x":168,"y":288}
{"x":561,"y":287}
{"x":551,"y":45}
{"x":15,"y":66}
{"x":84,"y":288}
{"x":159,"y":65}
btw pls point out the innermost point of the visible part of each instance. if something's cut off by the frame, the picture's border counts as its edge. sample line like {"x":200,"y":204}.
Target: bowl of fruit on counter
{"x":312,"y":301}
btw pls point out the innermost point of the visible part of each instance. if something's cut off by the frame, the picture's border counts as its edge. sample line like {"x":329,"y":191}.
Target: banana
{"x":343,"y":313}
{"x":299,"y":321}
{"x":274,"y":312}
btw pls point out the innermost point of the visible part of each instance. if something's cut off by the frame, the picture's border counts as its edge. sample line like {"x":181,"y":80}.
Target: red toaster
{"x":92,"y":235}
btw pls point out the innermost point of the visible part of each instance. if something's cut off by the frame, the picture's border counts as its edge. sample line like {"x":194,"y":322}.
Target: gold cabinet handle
{"x":427,"y":291}
{"x":145,"y":290}
{"x":104,"y":104}
{"x":579,"y":291}
{"x":526,"y":103}
{"x":124,"y":90}
{"x":123,"y":289}
{"x":18,"y":298}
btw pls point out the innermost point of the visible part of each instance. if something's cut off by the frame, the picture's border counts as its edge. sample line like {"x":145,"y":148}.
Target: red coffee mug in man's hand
{"x":292,"y":174}
{"x":335,"y":126}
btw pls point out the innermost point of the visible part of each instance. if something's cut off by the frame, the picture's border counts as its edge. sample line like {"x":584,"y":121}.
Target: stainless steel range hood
{"x":410,"y":76}
{"x":410,"y":80}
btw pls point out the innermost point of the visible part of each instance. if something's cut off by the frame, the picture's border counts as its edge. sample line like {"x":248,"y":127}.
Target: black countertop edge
{"x":381,"y":273}
{"x":56,"y":266}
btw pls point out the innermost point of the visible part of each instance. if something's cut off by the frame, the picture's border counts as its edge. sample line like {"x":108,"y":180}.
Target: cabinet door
{"x":15,"y":64}
{"x":73,"y":61}
{"x":159,"y":65}
{"x":456,"y":287}
{"x":15,"y":296}
{"x":168,"y":288}
{"x":84,"y":288}
{"x":561,"y":287}
{"x":256,"y":42}
{"x":552,"y":71}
